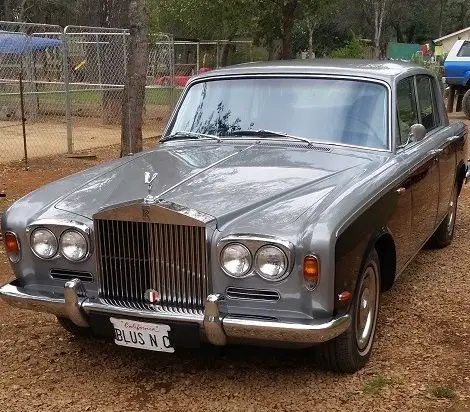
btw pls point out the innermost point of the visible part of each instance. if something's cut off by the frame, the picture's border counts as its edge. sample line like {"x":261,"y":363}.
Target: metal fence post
{"x":68,"y":97}
{"x":197,"y":58}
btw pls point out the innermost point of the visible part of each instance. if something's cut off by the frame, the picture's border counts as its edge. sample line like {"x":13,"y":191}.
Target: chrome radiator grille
{"x":134,"y":257}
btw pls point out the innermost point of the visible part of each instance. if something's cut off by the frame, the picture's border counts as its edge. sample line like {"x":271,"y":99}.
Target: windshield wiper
{"x":267,"y":133}
{"x":190,"y":135}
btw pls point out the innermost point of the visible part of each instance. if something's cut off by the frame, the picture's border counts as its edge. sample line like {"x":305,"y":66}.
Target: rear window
{"x":464,"y":50}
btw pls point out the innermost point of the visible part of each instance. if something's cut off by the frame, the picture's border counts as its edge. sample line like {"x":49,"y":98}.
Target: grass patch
{"x":375,"y":385}
{"x":442,"y":392}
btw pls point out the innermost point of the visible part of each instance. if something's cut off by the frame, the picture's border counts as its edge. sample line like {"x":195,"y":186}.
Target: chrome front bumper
{"x":217,"y":326}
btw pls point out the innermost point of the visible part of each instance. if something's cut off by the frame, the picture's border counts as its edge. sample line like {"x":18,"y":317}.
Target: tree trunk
{"x":134,"y":90}
{"x":441,"y":15}
{"x":310,"y":41}
{"x":379,"y":14}
{"x":288,"y":19}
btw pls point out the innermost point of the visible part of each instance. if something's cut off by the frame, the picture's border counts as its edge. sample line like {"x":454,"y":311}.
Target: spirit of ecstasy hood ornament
{"x":149,"y":178}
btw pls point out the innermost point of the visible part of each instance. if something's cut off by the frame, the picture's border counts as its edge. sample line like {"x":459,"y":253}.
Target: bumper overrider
{"x":217,"y":326}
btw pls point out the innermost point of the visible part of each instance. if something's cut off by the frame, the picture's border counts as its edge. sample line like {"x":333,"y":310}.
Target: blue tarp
{"x":13,"y":43}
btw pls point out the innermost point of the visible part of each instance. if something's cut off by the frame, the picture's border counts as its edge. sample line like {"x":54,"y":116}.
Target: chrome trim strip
{"x":265,"y":295}
{"x":222,"y":76}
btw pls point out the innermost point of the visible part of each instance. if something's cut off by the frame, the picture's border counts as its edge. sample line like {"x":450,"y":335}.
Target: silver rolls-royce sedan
{"x":282,"y":199}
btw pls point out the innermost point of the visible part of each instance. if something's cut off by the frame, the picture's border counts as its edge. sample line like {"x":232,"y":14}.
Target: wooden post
{"x":23,"y":121}
{"x":458,"y":107}
{"x":451,"y":99}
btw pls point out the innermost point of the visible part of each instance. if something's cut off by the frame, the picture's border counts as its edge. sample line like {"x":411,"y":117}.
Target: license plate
{"x":142,"y":335}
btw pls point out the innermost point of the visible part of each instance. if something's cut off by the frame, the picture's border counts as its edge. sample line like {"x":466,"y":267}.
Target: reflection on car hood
{"x":222,"y":180}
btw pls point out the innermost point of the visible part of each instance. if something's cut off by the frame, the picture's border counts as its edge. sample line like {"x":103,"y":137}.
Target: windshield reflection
{"x":339,"y":111}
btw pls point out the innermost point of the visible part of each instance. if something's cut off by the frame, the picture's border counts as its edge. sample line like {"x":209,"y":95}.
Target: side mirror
{"x":417,"y":132}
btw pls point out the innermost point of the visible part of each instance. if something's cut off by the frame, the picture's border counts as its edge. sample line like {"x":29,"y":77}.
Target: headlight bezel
{"x":54,"y":236}
{"x":87,"y":245}
{"x":278,"y":277}
{"x":58,"y":228}
{"x":254,"y":243}
{"x":227,"y":272}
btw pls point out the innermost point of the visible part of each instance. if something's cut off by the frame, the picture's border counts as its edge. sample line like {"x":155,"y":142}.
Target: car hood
{"x":222,"y":180}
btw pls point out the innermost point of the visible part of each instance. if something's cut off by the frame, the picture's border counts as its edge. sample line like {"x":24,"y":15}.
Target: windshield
{"x":350,"y":112}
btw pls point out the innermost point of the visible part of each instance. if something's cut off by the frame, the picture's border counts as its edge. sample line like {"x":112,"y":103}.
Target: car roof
{"x":385,"y":70}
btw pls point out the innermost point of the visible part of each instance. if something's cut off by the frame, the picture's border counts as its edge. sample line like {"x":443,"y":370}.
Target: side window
{"x":427,"y":106}
{"x":464,"y":50}
{"x":407,"y":114}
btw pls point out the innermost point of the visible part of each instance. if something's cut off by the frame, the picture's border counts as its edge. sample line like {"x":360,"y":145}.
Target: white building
{"x":448,"y":41}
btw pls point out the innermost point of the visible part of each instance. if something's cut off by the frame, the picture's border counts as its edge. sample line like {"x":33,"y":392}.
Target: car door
{"x":400,"y":222}
{"x":425,"y":174}
{"x":421,"y":183}
{"x":446,"y":143}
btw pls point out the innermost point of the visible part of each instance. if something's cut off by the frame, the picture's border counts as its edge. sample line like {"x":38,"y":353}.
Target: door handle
{"x":453,"y":139}
{"x":401,"y":190}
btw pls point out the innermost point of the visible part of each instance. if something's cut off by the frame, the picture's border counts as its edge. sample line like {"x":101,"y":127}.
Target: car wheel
{"x":350,"y":351}
{"x":75,"y":330}
{"x":444,"y":234}
{"x":466,"y":104}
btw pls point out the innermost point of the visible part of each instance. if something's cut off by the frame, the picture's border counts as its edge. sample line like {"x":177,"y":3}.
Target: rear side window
{"x":464,"y":50}
{"x":407,"y":114}
{"x":427,"y":106}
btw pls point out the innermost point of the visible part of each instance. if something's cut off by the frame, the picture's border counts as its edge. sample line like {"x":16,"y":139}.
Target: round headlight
{"x":73,"y":245}
{"x":44,"y":243}
{"x":271,"y":263}
{"x":236,"y":260}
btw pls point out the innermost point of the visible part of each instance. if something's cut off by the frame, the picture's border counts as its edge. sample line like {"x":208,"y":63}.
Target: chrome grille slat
{"x":136,"y":256}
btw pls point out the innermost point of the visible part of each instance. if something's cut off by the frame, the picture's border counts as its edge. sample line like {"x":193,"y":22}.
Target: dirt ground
{"x":49,"y":136}
{"x":421,"y":360}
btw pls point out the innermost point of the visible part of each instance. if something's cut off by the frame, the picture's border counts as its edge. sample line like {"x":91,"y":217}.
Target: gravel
{"x":421,"y":359}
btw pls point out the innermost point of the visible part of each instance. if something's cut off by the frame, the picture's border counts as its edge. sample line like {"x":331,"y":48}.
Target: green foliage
{"x":442,"y":392}
{"x":355,"y":49}
{"x":375,"y":385}
{"x":435,"y":67}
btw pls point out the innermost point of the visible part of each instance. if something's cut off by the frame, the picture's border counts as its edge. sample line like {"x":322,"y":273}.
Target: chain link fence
{"x":61,"y":90}
{"x":31,"y":69}
{"x":71,"y":82}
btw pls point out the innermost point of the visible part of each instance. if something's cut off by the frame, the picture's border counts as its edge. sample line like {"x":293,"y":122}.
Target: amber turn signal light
{"x":311,"y":272}
{"x":12,"y":247}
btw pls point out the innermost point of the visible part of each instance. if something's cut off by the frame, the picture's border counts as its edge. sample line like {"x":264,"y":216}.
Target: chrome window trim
{"x":298,"y":76}
{"x":19,"y":246}
{"x":57,"y":227}
{"x":254,"y":243}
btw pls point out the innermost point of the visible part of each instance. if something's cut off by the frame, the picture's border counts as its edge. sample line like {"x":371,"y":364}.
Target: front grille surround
{"x":136,"y":255}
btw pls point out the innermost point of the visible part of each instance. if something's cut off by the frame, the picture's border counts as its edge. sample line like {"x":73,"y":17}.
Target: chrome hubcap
{"x":367,"y":308}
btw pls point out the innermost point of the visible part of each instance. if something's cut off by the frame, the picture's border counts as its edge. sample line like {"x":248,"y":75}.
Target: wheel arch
{"x":460,"y":175}
{"x":385,"y":247}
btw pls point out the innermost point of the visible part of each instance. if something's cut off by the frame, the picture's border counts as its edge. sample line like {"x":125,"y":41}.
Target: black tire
{"x":75,"y":330}
{"x":444,"y":234}
{"x":466,"y":104}
{"x":350,"y":351}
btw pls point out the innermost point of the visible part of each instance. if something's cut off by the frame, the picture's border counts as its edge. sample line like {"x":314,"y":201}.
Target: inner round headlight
{"x":44,"y":243}
{"x":73,"y":245}
{"x":271,"y":263}
{"x":236,"y":260}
